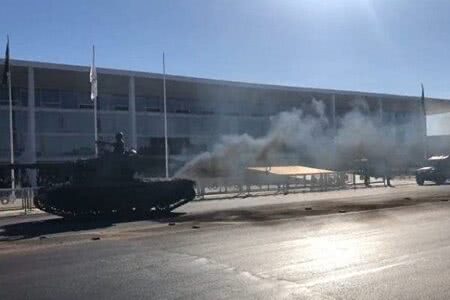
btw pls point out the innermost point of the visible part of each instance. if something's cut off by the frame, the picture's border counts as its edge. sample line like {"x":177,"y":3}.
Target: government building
{"x":53,"y":112}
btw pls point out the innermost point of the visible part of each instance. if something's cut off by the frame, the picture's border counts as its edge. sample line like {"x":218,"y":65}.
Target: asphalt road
{"x":375,"y":243}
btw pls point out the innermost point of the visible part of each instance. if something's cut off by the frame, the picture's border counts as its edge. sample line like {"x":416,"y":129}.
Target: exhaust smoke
{"x":295,"y":137}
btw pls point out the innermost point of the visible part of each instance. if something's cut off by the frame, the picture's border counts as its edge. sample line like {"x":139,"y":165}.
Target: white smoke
{"x":305,"y":137}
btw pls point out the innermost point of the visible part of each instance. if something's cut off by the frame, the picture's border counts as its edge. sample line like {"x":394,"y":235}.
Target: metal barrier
{"x":281,"y":183}
{"x":17,"y":199}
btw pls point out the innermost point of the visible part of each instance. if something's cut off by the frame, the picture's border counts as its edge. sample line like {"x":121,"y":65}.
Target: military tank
{"x":107,"y":186}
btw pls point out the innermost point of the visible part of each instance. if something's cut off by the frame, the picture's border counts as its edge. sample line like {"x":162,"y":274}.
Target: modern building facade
{"x":53,"y":113}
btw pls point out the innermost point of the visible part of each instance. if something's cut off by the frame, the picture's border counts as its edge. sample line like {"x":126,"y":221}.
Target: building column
{"x":380,"y":110}
{"x":333,"y":114}
{"x":31,"y":130}
{"x":132,"y":112}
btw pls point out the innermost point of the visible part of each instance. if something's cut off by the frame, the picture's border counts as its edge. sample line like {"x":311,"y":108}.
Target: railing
{"x":17,"y":199}
{"x":245,"y":185}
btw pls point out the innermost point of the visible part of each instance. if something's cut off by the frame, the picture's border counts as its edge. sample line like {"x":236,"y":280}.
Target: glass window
{"x":252,"y":126}
{"x":252,"y":107}
{"x":73,"y":122}
{"x":4,"y":120}
{"x":79,"y":145}
{"x":178,"y":106}
{"x":47,"y":98}
{"x":22,"y":96}
{"x":178,"y":145}
{"x":4,"y":145}
{"x":113,"y":123}
{"x":152,"y":146}
{"x":156,"y":145}
{"x":84,"y":100}
{"x":203,"y":107}
{"x":20,"y":134}
{"x":112,"y":102}
{"x":68,"y":99}
{"x":204,"y":126}
{"x":4,"y":99}
{"x":48,"y":122}
{"x":4,"y":133}
{"x":141,"y":124}
{"x":178,"y":125}
{"x":19,"y":96}
{"x":20,"y":119}
{"x":19,"y":125}
{"x":149,"y":125}
{"x":80,"y":122}
{"x":229,"y":108}
{"x":153,"y":104}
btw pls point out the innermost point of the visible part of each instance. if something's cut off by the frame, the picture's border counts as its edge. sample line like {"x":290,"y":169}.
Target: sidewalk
{"x":19,"y":212}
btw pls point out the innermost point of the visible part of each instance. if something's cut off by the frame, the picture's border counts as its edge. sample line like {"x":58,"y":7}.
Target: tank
{"x":108,"y":185}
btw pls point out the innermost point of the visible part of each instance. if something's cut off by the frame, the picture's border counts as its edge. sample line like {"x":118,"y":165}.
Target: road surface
{"x":367,"y":244}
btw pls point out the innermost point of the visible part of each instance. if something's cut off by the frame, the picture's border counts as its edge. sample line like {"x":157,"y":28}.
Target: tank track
{"x":135,"y":199}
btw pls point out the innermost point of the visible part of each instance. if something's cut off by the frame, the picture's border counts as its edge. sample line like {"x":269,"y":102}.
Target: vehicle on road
{"x":437,"y":170}
{"x":107,"y":185}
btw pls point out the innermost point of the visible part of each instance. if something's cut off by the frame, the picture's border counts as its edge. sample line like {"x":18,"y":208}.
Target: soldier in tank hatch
{"x":119,"y":144}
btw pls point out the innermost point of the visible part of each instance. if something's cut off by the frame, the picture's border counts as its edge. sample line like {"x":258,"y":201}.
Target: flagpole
{"x":11,"y":127}
{"x":166,"y":146}
{"x":95,"y":107}
{"x":424,"y":111}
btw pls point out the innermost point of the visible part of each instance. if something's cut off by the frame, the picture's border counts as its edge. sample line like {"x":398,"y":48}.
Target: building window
{"x":68,"y":99}
{"x":77,"y":145}
{"x":180,"y":106}
{"x":112,"y":102}
{"x":85,"y":102}
{"x":48,"y":98}
{"x":152,"y":104}
{"x":19,"y":96}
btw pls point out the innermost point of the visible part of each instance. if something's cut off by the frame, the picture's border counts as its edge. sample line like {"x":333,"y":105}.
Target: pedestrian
{"x":365,"y":171}
{"x":387,"y":173}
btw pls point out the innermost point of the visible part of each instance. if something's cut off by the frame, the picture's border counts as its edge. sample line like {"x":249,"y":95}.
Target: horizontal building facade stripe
{"x":150,"y":75}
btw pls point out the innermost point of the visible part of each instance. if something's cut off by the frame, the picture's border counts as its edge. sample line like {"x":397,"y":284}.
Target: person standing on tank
{"x":119,"y":144}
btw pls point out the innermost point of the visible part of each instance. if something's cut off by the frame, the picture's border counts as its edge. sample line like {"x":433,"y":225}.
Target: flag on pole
{"x":7,"y":80}
{"x":422,"y":101}
{"x":93,"y":80}
{"x":424,"y":111}
{"x":6,"y":65}
{"x":93,"y":77}
{"x":166,"y":145}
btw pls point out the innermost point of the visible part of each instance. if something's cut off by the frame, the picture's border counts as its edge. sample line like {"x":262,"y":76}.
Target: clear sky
{"x":369,"y":45}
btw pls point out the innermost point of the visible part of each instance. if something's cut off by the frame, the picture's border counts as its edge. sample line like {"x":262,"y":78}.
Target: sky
{"x":381,"y":46}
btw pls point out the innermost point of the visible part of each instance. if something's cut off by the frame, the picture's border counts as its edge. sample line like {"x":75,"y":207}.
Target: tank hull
{"x":137,"y":197}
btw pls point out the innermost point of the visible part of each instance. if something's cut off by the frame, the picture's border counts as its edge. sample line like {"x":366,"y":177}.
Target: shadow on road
{"x":41,"y":228}
{"x":262,"y":215}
